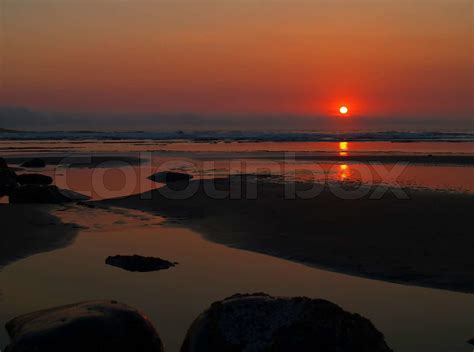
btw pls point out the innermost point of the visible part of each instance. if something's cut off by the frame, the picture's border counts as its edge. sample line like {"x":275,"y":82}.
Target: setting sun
{"x":343,"y":110}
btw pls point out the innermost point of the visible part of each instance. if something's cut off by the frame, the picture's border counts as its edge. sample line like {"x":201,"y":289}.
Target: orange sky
{"x":407,"y":58}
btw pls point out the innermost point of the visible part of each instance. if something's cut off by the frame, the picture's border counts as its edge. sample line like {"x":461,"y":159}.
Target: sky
{"x":389,"y":61}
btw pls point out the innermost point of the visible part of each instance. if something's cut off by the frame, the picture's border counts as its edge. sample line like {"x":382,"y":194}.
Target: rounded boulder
{"x":87,"y":326}
{"x":262,"y":323}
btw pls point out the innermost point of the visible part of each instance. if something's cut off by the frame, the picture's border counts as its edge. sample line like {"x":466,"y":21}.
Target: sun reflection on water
{"x":343,"y":148}
{"x":344,"y":172}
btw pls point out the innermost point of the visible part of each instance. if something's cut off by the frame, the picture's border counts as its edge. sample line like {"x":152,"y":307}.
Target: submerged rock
{"x":34,"y":179}
{"x":259,"y":322}
{"x":34,"y":163}
{"x":43,"y":194}
{"x":139,"y":263}
{"x":87,"y":326}
{"x":170,"y":177}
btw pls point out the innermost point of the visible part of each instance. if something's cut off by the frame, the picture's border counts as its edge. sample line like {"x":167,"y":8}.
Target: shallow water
{"x":113,"y":179}
{"x":103,"y":183}
{"x":13,"y":147}
{"x":413,"y":319}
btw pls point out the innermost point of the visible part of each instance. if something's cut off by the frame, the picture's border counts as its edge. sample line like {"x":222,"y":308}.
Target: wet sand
{"x":209,"y":272}
{"x":30,"y":229}
{"x":424,"y":240}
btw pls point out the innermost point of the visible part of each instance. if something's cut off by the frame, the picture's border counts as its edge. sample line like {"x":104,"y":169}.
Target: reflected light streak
{"x":344,"y":172}
{"x":343,"y":147}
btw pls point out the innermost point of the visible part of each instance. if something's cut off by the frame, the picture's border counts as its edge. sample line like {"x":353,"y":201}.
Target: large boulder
{"x":28,"y":194}
{"x":7,"y":178}
{"x":34,"y":179}
{"x":170,"y":177}
{"x":471,"y":341}
{"x":36,"y":163}
{"x":262,"y":323}
{"x":88,"y":326}
{"x":139,"y":263}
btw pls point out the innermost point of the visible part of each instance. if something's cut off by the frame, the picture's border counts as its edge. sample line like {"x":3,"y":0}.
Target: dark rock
{"x":7,"y":183}
{"x":3,"y":164}
{"x":7,"y":178}
{"x":34,"y":179}
{"x":43,"y":194}
{"x":259,"y":322}
{"x":471,"y":341}
{"x":139,"y":263}
{"x":170,"y":177}
{"x":87,"y":326}
{"x":34,"y":163}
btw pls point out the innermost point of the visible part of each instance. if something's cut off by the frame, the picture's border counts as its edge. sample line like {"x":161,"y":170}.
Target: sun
{"x":343,"y":110}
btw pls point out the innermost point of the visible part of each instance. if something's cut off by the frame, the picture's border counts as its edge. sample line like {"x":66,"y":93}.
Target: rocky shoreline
{"x":243,"y":322}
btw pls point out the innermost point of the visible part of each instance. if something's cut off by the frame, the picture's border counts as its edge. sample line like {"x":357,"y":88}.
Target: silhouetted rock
{"x":43,"y":194}
{"x":34,"y":163}
{"x":7,"y":183}
{"x":87,"y":326}
{"x":139,"y":263}
{"x":34,"y":179}
{"x":3,"y":164}
{"x":259,"y":322}
{"x":170,"y":177}
{"x":471,"y":341}
{"x":7,"y":178}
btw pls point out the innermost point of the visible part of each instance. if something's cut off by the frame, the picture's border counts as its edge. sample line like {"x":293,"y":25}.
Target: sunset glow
{"x":168,"y":57}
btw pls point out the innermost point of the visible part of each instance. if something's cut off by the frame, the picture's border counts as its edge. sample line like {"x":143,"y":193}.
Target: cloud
{"x":27,"y":119}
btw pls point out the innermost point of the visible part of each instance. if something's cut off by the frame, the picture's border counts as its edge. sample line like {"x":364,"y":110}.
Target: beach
{"x":391,"y":249}
{"x":29,"y":229}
